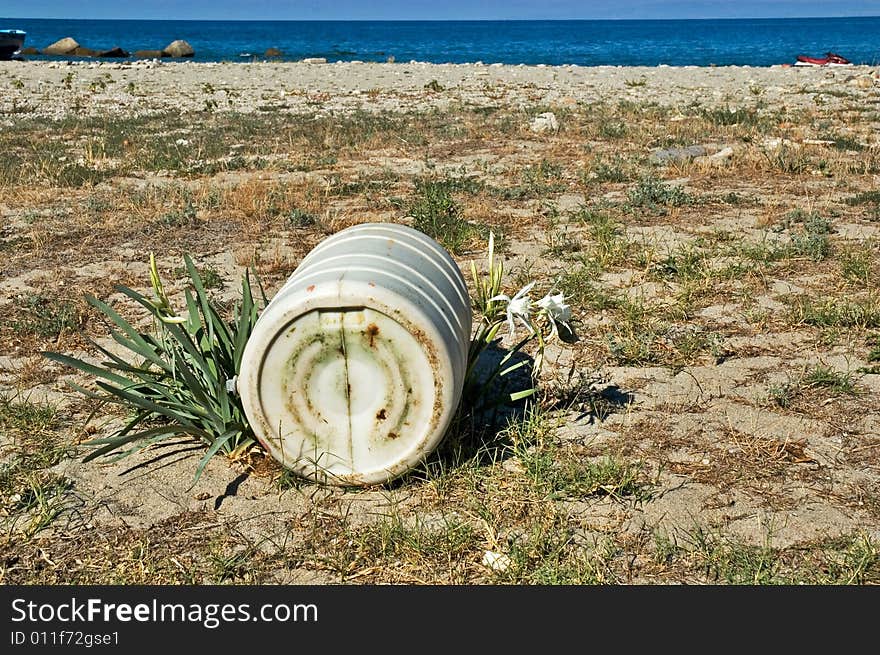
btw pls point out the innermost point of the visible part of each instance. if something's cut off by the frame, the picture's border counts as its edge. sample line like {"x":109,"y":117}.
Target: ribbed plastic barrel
{"x":355,"y":368}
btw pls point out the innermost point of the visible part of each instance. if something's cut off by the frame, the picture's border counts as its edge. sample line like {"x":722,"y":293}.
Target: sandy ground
{"x":698,"y":427}
{"x":154,"y":86}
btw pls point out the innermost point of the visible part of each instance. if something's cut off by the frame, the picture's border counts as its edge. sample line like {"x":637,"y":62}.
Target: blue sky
{"x":433,"y":10}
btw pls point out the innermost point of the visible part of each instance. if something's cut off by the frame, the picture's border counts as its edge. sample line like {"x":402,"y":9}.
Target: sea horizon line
{"x":446,"y":20}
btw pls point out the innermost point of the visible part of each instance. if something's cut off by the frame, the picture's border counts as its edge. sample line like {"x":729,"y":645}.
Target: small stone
{"x":314,"y":60}
{"x":513,"y":465}
{"x":678,"y":154}
{"x":720,"y":158}
{"x":545,"y":122}
{"x":498,"y":562}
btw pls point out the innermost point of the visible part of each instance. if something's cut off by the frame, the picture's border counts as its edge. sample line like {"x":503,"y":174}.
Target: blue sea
{"x":754,"y":42}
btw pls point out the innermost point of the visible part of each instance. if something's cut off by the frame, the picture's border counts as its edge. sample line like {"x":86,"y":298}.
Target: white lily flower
{"x":520,"y":306}
{"x":556,"y":310}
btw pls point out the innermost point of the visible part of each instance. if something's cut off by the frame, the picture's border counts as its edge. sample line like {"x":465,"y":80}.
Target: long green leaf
{"x":519,"y":395}
{"x":143,"y":347}
{"x":85,"y":367}
{"x":192,"y":384}
{"x":113,"y":443}
{"x":215,"y":326}
{"x":183,"y":413}
{"x":244,"y":325}
{"x":150,"y":352}
{"x":219,"y":442}
{"x":193,"y":321}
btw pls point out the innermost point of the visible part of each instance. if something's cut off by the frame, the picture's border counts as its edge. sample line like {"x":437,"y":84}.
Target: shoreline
{"x":57,"y":89}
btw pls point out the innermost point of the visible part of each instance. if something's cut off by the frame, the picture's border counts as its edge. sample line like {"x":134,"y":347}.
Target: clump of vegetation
{"x":45,"y":317}
{"x":300,"y":219}
{"x":835,"y":312}
{"x":435,"y":212}
{"x":820,"y":377}
{"x":871,"y":199}
{"x":724,"y":116}
{"x":825,"y":377}
{"x":615,"y":170}
{"x":812,"y":239}
{"x":654,"y":194}
{"x":32,"y":496}
{"x":178,"y":380}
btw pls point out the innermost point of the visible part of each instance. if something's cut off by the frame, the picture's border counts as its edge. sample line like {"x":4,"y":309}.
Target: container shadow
{"x":479,"y":431}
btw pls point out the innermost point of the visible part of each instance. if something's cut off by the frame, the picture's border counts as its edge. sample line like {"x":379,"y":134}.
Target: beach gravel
{"x":89,"y":88}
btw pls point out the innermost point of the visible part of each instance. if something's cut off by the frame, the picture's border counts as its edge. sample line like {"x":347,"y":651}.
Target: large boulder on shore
{"x":84,"y":52}
{"x":29,"y":51}
{"x":179,"y":48}
{"x":149,"y":54}
{"x":273,"y":52}
{"x":64,"y":46}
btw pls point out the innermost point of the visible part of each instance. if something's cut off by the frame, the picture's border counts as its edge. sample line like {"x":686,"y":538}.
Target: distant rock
{"x":113,"y":52}
{"x":29,"y":51}
{"x":720,"y":158}
{"x":778,"y":143}
{"x":665,"y":155}
{"x":63,"y":46}
{"x":149,"y":54}
{"x":179,"y":48}
{"x":84,"y":52}
{"x":314,"y":60}
{"x":545,"y":122}
{"x":273,"y":52}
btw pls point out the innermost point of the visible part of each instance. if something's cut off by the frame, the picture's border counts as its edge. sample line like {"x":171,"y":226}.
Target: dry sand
{"x":55,"y":90}
{"x":699,"y":427}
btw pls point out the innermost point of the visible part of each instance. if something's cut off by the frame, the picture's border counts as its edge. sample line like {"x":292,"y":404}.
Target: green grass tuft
{"x":435,"y":212}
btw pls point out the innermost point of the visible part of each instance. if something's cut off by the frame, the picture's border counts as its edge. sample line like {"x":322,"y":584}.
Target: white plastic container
{"x":355,"y":368}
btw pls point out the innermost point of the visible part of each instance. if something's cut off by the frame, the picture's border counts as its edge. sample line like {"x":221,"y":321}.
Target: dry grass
{"x":772,"y":254}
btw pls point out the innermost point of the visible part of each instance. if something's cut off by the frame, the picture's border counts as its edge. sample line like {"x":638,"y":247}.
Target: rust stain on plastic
{"x":310,"y":288}
{"x":380,"y":415}
{"x":372,"y":331}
